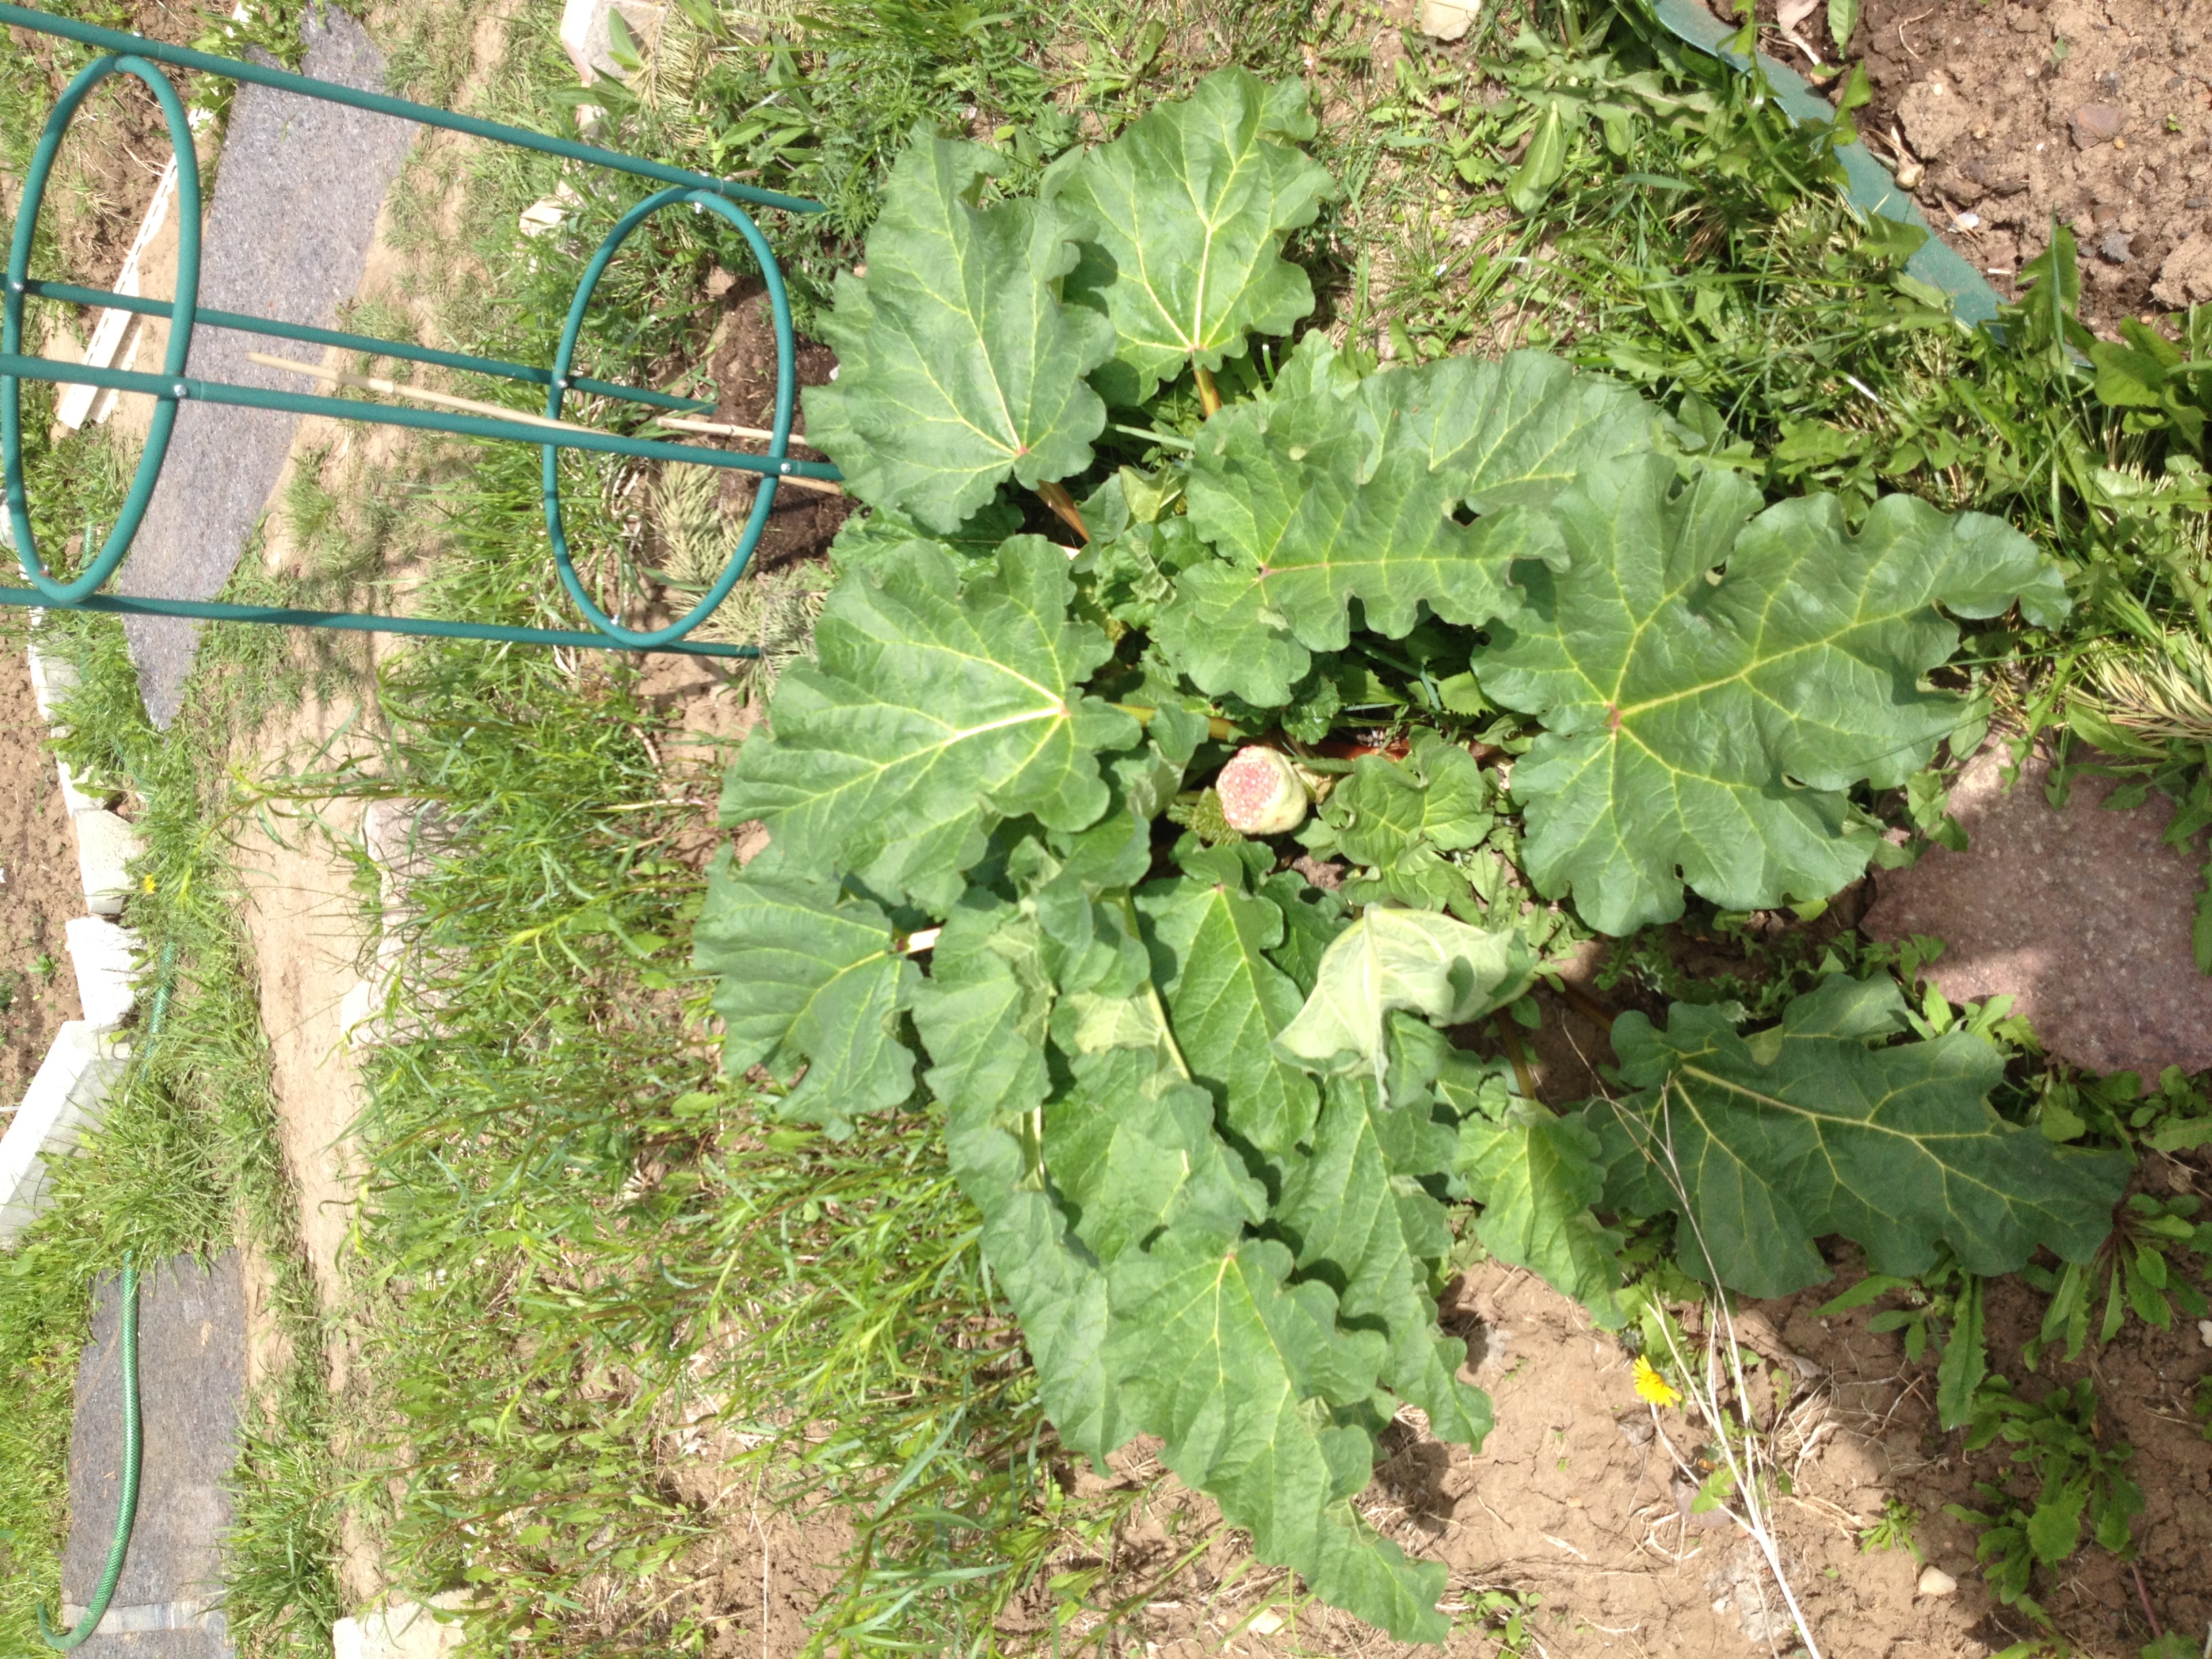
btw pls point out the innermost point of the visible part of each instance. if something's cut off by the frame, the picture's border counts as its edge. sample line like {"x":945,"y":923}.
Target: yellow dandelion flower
{"x":149,"y":881}
{"x":1650,"y":1386}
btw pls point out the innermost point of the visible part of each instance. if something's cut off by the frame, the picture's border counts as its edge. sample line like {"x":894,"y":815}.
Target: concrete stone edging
{"x":70,"y":1090}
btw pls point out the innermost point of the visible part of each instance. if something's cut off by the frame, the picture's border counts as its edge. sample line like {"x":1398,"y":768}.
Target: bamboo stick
{"x":498,"y":411}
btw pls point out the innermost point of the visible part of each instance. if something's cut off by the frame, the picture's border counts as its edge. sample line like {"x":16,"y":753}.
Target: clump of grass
{"x":2156,"y":696}
{"x":186,"y":1158}
{"x":584,"y":1247}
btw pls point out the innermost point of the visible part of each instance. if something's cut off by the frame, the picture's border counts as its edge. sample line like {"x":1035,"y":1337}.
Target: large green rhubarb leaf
{"x":1227,"y":998}
{"x":1362,"y":1222}
{"x":1811,"y":1128}
{"x":1130,"y":1150}
{"x":1236,"y":1370}
{"x":958,"y":366}
{"x":1187,"y":211}
{"x":1391,"y":959}
{"x":981,"y":1015}
{"x":930,"y":714}
{"x":812,"y":978}
{"x":1536,"y":1176}
{"x":1711,"y":686}
{"x":1331,"y":488}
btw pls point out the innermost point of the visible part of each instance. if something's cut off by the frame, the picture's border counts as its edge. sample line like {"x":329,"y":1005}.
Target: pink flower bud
{"x":1262,"y":793}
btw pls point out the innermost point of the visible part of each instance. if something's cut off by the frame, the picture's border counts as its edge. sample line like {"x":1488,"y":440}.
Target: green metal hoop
{"x":785,"y":377}
{"x":180,"y":338}
{"x":134,"y":55}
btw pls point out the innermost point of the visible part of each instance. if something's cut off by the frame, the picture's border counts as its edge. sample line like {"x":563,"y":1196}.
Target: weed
{"x":2172,"y":1116}
{"x":1505,"y":1617}
{"x":1892,"y":1529}
{"x":186,"y":1159}
{"x":2139,"y":1269}
{"x":2054,"y":1444}
{"x":1942,"y":1311}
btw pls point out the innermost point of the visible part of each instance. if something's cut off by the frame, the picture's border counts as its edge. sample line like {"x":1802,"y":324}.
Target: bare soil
{"x":802,"y":521}
{"x":2095,"y":113}
{"x":1882,"y":1440}
{"x":104,"y":179}
{"x":40,"y":889}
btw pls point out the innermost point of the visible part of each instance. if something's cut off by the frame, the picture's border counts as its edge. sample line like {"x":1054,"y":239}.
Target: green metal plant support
{"x":134,"y":55}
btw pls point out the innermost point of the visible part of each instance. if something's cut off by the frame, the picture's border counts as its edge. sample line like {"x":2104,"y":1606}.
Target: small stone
{"x":2198,"y":203}
{"x":2185,"y":278}
{"x":1934,"y":1581}
{"x":2097,"y":124}
{"x":2204,"y":1332}
{"x":589,"y":36}
{"x":1448,"y":20}
{"x":2117,"y":248}
{"x":1967,"y":222}
{"x":1961,"y":184}
{"x":1935,"y":116}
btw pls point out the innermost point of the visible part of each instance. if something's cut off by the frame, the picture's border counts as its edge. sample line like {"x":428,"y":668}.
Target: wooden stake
{"x":498,"y":411}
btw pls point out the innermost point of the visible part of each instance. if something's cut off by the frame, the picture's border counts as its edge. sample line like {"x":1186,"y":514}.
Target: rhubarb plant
{"x":1222,"y":1124}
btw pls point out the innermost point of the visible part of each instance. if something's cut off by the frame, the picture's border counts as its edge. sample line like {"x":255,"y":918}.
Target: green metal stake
{"x":135,"y":56}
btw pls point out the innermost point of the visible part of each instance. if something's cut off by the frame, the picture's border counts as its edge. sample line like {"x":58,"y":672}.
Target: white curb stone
{"x":404,"y":1629}
{"x":63,"y":1099}
{"x":404,"y":837}
{"x":106,"y":983}
{"x":589,"y":39}
{"x":73,"y":798}
{"x":52,"y":678}
{"x":105,"y":845}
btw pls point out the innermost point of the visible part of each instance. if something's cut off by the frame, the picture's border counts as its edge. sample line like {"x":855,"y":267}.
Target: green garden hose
{"x":133,"y":1436}
{"x":127,"y":1512}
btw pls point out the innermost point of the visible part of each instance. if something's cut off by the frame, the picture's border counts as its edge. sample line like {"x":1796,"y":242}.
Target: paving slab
{"x":287,"y":236}
{"x":2082,"y":915}
{"x":192,"y":1385}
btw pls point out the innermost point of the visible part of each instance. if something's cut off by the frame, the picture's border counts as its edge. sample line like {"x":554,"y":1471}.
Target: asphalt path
{"x":287,"y":235}
{"x":192,"y":1387}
